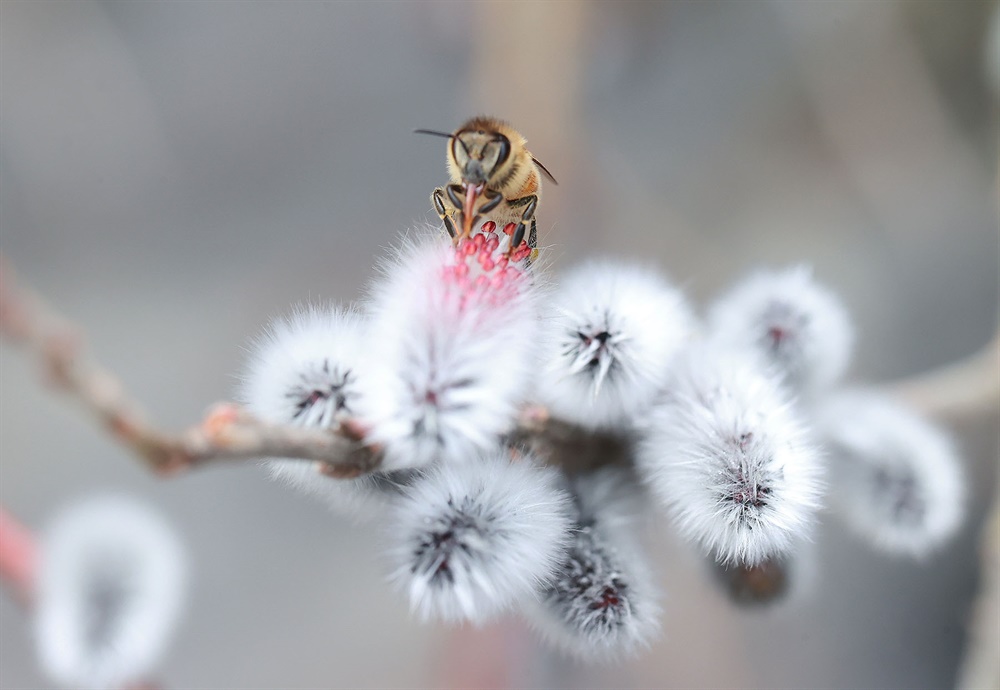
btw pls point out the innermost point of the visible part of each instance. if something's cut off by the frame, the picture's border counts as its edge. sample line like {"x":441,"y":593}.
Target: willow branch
{"x":228,"y":432}
{"x":969,"y":388}
{"x":980,"y":668}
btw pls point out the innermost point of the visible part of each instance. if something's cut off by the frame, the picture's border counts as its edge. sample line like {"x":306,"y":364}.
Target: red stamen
{"x":609,"y":598}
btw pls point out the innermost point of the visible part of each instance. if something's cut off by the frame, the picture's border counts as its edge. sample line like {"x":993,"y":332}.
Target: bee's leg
{"x":527,"y":217}
{"x":493,"y":200}
{"x":533,"y":242}
{"x":437,"y":198}
{"x":455,"y":192}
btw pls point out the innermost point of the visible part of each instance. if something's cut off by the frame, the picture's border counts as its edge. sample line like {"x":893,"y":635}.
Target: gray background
{"x":172,"y":174}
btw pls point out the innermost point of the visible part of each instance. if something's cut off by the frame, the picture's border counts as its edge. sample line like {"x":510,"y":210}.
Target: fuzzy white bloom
{"x":306,"y":370}
{"x":730,"y":461}
{"x":895,"y":478}
{"x":111,"y":580}
{"x":610,"y":334}
{"x":470,"y":539}
{"x":453,"y":343}
{"x":795,"y":325}
{"x":602,"y":604}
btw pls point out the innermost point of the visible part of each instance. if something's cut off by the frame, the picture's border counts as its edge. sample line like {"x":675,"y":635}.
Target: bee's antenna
{"x":446,"y":135}
{"x":544,"y":170}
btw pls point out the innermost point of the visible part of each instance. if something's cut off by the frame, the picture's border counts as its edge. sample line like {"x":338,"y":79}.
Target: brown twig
{"x":227,"y":432}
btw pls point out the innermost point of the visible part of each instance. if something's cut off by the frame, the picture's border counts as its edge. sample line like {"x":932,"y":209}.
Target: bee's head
{"x":478,"y":154}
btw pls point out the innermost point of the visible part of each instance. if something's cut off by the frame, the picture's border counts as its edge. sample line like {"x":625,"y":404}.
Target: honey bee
{"x":493,"y":175}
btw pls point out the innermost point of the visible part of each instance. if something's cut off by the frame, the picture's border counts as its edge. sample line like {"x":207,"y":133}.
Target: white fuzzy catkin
{"x":611,"y":331}
{"x":601,"y":604}
{"x":728,"y":458}
{"x":306,"y":370}
{"x":793,"y":324}
{"x":453,"y":343}
{"x":111,"y":580}
{"x":470,"y":539}
{"x":895,"y":478}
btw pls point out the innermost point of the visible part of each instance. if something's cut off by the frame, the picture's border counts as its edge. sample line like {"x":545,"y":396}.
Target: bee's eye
{"x":459,"y":149}
{"x":491,"y":159}
{"x":502,"y":145}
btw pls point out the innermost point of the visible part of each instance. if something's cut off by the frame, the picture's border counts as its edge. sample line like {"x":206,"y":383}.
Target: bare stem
{"x":966,"y":389}
{"x":228,"y":432}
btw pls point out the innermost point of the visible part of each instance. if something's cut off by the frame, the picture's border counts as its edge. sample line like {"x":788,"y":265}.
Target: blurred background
{"x":174,"y":174}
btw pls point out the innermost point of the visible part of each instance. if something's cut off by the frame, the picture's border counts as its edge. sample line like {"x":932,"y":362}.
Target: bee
{"x":492,"y":174}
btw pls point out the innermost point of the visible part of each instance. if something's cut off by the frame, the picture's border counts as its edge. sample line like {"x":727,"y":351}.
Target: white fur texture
{"x":611,"y":331}
{"x":795,"y":325}
{"x":307,"y":370}
{"x":471,"y":539}
{"x":451,"y":362}
{"x":895,"y":478}
{"x":111,"y":580}
{"x":601,"y":605}
{"x":729,"y":460}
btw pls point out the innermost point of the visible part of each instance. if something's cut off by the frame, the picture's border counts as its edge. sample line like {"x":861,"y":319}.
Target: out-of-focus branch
{"x":227,"y":432}
{"x":963,"y":390}
{"x":17,"y":557}
{"x":980,"y":668}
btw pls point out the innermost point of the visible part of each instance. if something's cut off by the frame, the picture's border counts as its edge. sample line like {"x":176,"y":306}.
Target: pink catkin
{"x":18,"y":555}
{"x":480,"y":278}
